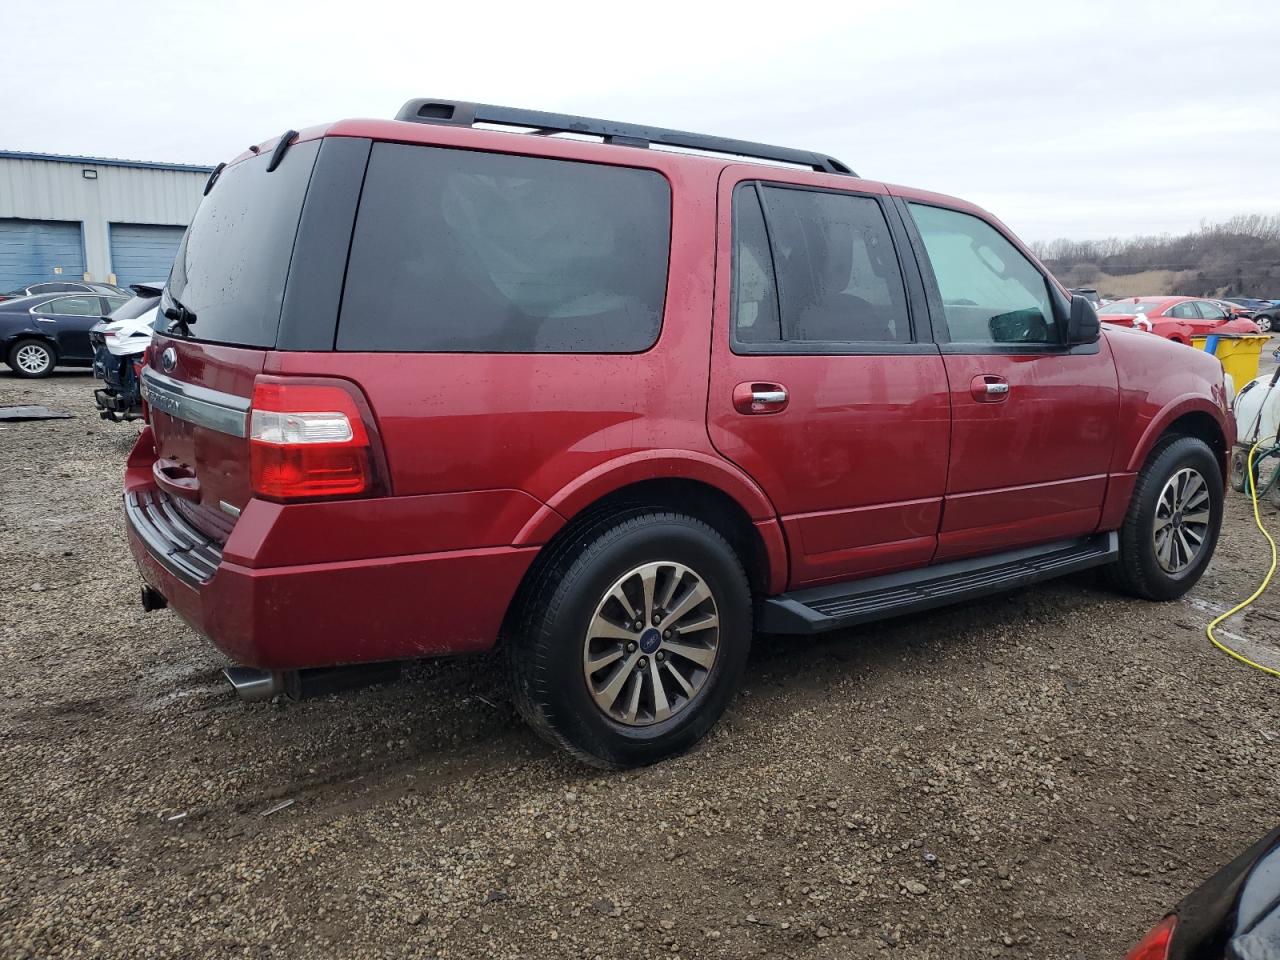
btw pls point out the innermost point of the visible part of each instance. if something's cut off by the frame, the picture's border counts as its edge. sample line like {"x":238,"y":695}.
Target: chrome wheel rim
{"x":651,"y":643}
{"x":1181,"y":524}
{"x":32,"y":358}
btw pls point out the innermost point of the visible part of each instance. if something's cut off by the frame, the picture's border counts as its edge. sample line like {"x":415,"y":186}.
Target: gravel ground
{"x":1034,"y":775}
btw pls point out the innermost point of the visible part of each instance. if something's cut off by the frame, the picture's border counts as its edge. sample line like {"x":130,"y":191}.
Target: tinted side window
{"x":990,"y":292}
{"x":755,"y":293}
{"x":73,"y":307}
{"x":459,"y":251}
{"x":1184,"y":311}
{"x":837,"y":271}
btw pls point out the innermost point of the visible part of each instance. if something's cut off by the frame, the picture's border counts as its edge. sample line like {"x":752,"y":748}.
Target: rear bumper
{"x":320,"y":615}
{"x":324,"y":614}
{"x":266,"y":614}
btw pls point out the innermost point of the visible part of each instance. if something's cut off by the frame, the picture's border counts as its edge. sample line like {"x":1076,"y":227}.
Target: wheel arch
{"x":710,"y":493}
{"x":11,"y":341}
{"x":1192,"y":417}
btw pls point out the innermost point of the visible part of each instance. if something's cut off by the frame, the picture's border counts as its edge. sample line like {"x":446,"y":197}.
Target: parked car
{"x":1089,"y":293}
{"x":1174,"y":318}
{"x":421,"y":386}
{"x":40,"y":332}
{"x":1234,"y":915}
{"x":65,"y":286}
{"x":1265,"y":313}
{"x":119,"y":343}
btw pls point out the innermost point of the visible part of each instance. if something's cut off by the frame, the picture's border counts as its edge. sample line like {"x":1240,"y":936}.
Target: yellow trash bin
{"x":1239,"y":353}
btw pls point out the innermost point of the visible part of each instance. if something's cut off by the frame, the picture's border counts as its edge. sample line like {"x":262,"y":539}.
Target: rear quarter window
{"x":459,"y":251}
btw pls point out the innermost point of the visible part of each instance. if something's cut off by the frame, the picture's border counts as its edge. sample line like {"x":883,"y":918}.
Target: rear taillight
{"x":1155,"y":945}
{"x":309,"y":440}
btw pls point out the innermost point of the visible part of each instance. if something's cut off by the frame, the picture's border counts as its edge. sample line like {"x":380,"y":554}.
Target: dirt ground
{"x":1035,"y":775}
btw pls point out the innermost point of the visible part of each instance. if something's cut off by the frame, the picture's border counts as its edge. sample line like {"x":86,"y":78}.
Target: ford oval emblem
{"x":168,"y":359}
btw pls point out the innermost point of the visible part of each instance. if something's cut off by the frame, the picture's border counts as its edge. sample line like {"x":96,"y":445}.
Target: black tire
{"x":1137,"y":571}
{"x":1265,"y":323}
{"x":1239,"y":470}
{"x":29,"y":347}
{"x":548,"y":635}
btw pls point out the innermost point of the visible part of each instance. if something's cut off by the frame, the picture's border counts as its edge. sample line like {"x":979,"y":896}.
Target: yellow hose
{"x":1257,"y":519}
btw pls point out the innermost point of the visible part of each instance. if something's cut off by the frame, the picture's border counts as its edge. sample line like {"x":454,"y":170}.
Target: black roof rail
{"x":462,"y":114}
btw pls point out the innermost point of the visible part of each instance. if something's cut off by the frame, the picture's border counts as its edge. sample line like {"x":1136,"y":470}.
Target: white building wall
{"x":58,"y":190}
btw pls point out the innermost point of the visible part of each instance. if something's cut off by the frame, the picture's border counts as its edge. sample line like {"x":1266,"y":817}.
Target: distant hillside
{"x":1238,"y":258}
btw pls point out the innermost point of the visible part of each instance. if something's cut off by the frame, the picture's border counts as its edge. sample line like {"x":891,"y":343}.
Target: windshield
{"x":1130,"y":306}
{"x":230,"y":269}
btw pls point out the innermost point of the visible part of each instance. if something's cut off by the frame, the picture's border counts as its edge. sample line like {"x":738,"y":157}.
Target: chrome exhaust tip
{"x":252,"y":685}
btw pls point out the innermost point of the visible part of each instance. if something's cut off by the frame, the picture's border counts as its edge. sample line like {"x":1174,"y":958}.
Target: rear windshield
{"x":231,"y":266}
{"x":134,"y":307}
{"x":459,"y":251}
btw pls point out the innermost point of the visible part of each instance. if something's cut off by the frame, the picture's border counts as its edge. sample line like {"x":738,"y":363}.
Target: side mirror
{"x":1083,"y":325}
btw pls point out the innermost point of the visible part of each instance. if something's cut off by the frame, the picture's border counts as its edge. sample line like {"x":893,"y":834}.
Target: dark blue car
{"x":41,"y":332}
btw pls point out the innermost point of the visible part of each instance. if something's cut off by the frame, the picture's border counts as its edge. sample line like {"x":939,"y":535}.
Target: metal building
{"x":90,"y":218}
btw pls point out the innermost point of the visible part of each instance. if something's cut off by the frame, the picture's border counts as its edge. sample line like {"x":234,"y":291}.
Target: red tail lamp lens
{"x":308,"y":441}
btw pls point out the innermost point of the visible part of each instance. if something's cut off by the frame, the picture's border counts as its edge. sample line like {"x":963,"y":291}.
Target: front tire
{"x":31,"y":358}
{"x":1265,"y":324}
{"x":631,"y":640}
{"x":1171,"y":529}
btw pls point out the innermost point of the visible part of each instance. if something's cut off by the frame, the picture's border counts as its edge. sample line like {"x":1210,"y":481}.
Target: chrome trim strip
{"x":224,"y":412}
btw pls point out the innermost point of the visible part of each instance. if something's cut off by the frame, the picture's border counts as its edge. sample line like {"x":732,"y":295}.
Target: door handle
{"x":175,"y":479}
{"x":989,"y":388}
{"x":760,"y":398}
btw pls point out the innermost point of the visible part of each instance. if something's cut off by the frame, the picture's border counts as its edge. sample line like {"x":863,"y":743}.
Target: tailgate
{"x":199,"y":401}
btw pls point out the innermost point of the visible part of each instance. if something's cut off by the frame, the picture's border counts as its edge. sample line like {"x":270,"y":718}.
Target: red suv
{"x":424,"y":388}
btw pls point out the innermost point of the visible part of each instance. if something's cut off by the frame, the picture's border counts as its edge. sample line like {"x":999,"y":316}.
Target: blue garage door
{"x":143,"y":252}
{"x":35,"y":250}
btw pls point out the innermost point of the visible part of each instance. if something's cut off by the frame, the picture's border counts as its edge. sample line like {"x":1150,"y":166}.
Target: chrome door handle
{"x":997,"y":389}
{"x":758,"y":397}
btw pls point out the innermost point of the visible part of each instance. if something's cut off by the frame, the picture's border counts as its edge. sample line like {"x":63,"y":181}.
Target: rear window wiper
{"x":181,"y":317}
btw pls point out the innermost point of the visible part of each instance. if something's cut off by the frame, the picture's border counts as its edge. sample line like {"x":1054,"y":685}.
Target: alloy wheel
{"x":33,"y":358}
{"x":1181,"y":526}
{"x":651,"y":643}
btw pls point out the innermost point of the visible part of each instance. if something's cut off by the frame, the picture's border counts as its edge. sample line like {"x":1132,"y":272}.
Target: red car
{"x":428,"y":387}
{"x":1175,"y":318}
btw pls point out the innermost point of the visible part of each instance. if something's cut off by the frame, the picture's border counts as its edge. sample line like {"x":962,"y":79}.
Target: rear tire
{"x":620,"y":692}
{"x":1171,"y":529}
{"x":31,"y":358}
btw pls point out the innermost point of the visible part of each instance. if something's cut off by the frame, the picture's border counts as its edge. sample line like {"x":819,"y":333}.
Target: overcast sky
{"x":1065,"y":119}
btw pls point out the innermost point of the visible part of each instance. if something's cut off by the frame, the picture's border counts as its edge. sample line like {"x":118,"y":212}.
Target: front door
{"x":825,"y":385}
{"x":67,"y":320}
{"x":1034,"y":421}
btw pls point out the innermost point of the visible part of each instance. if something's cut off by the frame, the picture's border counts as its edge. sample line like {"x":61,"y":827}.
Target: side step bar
{"x":837,"y":605}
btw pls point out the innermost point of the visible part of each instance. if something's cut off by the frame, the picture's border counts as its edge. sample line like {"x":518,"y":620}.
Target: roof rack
{"x":461,"y":114}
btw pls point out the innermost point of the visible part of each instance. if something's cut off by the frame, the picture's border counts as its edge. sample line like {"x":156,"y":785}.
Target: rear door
{"x":1034,"y":421}
{"x":825,"y":386}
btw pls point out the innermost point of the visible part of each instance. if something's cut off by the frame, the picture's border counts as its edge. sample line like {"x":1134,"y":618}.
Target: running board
{"x":837,"y":605}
